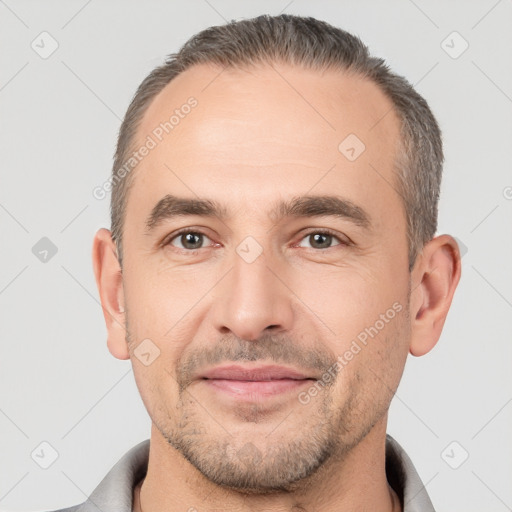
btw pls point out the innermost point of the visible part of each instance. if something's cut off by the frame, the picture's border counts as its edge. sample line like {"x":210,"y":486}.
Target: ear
{"x":109,"y":281}
{"x":434,"y":279}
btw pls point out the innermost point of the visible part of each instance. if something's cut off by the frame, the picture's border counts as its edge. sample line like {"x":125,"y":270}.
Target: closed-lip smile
{"x":269,"y":372}
{"x":254,"y":383}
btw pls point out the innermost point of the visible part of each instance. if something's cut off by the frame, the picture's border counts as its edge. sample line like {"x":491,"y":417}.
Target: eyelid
{"x":344,"y":242}
{"x":325,"y":231}
{"x":168,"y":239}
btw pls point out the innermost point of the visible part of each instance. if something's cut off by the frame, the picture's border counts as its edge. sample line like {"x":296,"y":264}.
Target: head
{"x":283,"y":212}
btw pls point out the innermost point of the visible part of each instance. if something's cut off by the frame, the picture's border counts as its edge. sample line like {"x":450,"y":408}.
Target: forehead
{"x":329,"y":102}
{"x":264,"y":128}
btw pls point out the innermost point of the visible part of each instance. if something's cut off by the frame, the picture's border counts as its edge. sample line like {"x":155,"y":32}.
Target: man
{"x":271,"y":264}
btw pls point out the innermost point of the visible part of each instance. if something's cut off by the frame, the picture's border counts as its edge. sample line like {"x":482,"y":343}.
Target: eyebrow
{"x":171,"y":206}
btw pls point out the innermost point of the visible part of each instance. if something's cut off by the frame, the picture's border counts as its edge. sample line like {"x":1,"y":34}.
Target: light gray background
{"x":59,"y":121}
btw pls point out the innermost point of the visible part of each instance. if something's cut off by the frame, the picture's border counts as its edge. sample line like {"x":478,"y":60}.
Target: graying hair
{"x":311,"y":44}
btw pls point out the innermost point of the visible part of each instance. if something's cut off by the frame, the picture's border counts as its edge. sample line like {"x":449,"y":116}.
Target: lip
{"x":255,"y":384}
{"x":259,"y":373}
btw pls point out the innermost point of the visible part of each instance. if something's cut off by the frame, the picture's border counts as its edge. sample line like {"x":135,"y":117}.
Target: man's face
{"x":322,"y":294}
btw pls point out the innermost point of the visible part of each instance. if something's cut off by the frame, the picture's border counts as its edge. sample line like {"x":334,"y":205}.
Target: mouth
{"x":251,"y":384}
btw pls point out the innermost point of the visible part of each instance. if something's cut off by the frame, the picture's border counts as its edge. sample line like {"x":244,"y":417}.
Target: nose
{"x":252,"y":298}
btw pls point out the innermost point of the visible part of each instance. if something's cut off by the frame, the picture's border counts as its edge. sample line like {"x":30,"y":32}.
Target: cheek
{"x":157,"y":384}
{"x":161,"y":300}
{"x":364,"y":320}
{"x":345,"y":300}
{"x":162,"y":313}
{"x":372,"y":365}
{"x":147,"y":384}
{"x":385,"y":348}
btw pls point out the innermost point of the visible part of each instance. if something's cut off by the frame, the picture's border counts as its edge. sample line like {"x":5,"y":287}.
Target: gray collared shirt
{"x":115,"y":492}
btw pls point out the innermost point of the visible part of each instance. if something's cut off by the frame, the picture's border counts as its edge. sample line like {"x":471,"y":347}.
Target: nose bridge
{"x":252,"y":297}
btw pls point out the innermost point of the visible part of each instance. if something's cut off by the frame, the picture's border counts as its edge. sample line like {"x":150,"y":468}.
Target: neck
{"x":355,"y":482}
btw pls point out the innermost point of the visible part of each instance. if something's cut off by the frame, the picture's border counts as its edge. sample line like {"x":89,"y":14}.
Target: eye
{"x":321,"y":240}
{"x":188,"y":240}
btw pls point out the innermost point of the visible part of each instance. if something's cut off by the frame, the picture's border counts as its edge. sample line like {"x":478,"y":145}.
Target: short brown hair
{"x":312,"y":44}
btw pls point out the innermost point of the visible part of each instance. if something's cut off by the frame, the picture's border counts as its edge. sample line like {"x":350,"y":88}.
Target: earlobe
{"x":434,"y":280}
{"x":109,"y":281}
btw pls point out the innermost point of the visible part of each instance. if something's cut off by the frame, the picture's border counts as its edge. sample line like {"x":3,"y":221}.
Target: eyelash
{"x":312,"y":232}
{"x":325,"y":232}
